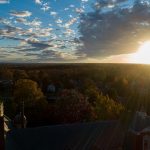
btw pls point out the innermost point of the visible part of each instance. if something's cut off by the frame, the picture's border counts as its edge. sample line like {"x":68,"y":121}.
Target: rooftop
{"x":80,"y":136}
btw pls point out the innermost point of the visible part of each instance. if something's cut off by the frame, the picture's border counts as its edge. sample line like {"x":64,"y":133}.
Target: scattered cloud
{"x":5,"y":21}
{"x":53,"y":13}
{"x":20,"y":13}
{"x":79,"y":10}
{"x":84,"y":1}
{"x":45,"y":7}
{"x":72,"y":6}
{"x":70,"y":32}
{"x":4,"y":1}
{"x":38,"y":2}
{"x":21,"y":20}
{"x":70,"y":22}
{"x":59,"y":21}
{"x":32,"y":23}
{"x":66,"y":9}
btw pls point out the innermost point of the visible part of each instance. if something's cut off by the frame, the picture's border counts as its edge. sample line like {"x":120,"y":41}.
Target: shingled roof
{"x":82,"y":136}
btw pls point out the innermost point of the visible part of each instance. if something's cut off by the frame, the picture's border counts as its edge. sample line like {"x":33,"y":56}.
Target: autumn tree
{"x":73,"y":107}
{"x":106,"y":108}
{"x":28,"y":91}
{"x":6,"y":73}
{"x":35,"y":104}
{"x":20,"y":74}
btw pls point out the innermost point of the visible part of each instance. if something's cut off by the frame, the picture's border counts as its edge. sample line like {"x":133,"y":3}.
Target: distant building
{"x":51,"y":93}
{"x":6,"y":83}
{"x":51,"y":88}
{"x":138,"y":136}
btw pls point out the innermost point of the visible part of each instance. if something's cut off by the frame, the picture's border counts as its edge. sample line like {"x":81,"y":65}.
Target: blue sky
{"x":68,"y":30}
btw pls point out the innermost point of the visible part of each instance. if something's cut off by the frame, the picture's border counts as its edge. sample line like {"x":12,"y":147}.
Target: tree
{"x":106,"y":108}
{"x":28,"y":91}
{"x":73,"y":107}
{"x":20,"y":74}
{"x":92,"y":95}
{"x":35,"y":104}
{"x":6,"y":74}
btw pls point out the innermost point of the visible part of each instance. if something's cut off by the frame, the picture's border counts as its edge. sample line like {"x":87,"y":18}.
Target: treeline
{"x":85,"y":92}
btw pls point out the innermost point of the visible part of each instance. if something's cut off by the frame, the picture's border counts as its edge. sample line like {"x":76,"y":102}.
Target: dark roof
{"x":82,"y":136}
{"x":140,"y":121}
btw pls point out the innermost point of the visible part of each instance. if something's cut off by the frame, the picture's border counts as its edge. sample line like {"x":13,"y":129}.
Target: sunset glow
{"x":142,"y":56}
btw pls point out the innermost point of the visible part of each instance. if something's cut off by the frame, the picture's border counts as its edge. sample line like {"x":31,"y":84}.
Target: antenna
{"x":22,"y":115}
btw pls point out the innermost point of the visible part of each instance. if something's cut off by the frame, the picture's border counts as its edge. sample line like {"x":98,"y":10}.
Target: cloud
{"x":84,"y":1}
{"x":105,"y":3}
{"x":30,"y":45}
{"x":69,"y":32}
{"x":34,"y":29}
{"x":45,"y":7}
{"x":65,"y":9}
{"x":114,"y":31}
{"x":38,"y":44}
{"x":52,"y":55}
{"x":53,"y":13}
{"x":70,"y":22}
{"x":79,"y":10}
{"x":34,"y":23}
{"x":42,"y":32}
{"x":71,"y":6}
{"x":20,"y":13}
{"x":38,"y":2}
{"x":31,"y":23}
{"x":4,"y":1}
{"x":59,"y":21}
{"x":9,"y":31}
{"x":21,"y":20}
{"x":5,"y":21}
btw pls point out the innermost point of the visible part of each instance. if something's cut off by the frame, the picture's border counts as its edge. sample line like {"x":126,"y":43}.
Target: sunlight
{"x":142,"y":56}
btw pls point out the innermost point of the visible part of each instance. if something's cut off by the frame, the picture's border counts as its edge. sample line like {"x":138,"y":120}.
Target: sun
{"x":142,"y":56}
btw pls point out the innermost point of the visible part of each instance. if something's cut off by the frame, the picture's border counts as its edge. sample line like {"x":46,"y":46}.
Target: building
{"x":104,"y":135}
{"x":138,"y":136}
{"x":51,"y":88}
{"x":4,"y":127}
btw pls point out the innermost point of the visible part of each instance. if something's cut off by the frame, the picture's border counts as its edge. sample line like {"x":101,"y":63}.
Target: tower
{"x":23,"y":120}
{"x":2,"y":139}
{"x":20,"y":120}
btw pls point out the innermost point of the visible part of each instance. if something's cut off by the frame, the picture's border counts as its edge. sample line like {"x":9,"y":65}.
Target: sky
{"x":51,"y":31}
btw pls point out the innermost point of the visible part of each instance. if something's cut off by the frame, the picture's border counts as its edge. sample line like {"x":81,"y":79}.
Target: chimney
{"x":2,"y":139}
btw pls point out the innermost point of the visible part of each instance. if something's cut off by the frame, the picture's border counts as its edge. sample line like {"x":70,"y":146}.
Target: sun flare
{"x":142,"y":56}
